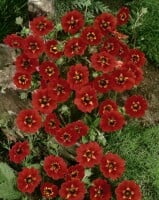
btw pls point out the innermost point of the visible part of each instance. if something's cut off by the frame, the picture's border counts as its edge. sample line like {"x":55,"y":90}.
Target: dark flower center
{"x":74,"y":174}
{"x":108,"y":107}
{"x":98,"y":192}
{"x":15,"y":44}
{"x":135,"y":58}
{"x":87,"y":100}
{"x":55,"y":167}
{"x":26,"y":63}
{"x":110,"y":47}
{"x":66,"y":136}
{"x":48,"y":192}
{"x":128,"y":193}
{"x":72,"y":23}
{"x":29,"y":121}
{"x":78,"y":76}
{"x":33,"y":46}
{"x":41,"y":26}
{"x":111,"y":122}
{"x":136,"y":106}
{"x":123,"y":16}
{"x":91,"y":36}
{"x":49,"y":71}
{"x":103,"y":60}
{"x":121,"y":79}
{"x":19,"y":151}
{"x":111,"y":166}
{"x":44,"y":101}
{"x":75,"y":48}
{"x":22,"y":79}
{"x":103,"y":83}
{"x":60,"y":89}
{"x":53,"y":49}
{"x":72,"y":191}
{"x":104,"y":24}
{"x":89,"y":155}
{"x":52,"y":123}
{"x":29,"y":179}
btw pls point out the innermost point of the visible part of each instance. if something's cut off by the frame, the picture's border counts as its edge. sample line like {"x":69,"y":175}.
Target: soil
{"x":150,"y":90}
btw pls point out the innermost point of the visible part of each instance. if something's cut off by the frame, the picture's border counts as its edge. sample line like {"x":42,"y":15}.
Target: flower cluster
{"x":99,"y":63}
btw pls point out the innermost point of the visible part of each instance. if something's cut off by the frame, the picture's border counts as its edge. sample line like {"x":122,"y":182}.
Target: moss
{"x":139,"y":147}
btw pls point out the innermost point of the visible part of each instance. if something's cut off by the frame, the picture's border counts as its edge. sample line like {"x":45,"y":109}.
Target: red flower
{"x":103,"y":61}
{"x":49,"y":190}
{"x":86,"y":99}
{"x":60,"y":89}
{"x":106,"y":23}
{"x":100,"y":190}
{"x":111,"y":45}
{"x":123,"y":50}
{"x":51,"y":48}
{"x":75,"y":172}
{"x":14,"y":41}
{"x":41,"y":25}
{"x":135,"y":106}
{"x":80,"y":128}
{"x":122,"y":80}
{"x":33,"y":46}
{"x":22,"y":80}
{"x":112,"y":121}
{"x":91,"y":35}
{"x":136,"y":71}
{"x":112,"y":166}
{"x":72,"y":190}
{"x":107,"y":106}
{"x":74,"y":46}
{"x":26,"y":64}
{"x":55,"y":167}
{"x":102,"y":83}
{"x":123,"y":16}
{"x":28,"y":121}
{"x":42,"y":100}
{"x":72,"y":21}
{"x":119,"y":35}
{"x":48,"y":70}
{"x":127,"y":190}
{"x":51,"y":124}
{"x":136,"y":57}
{"x":89,"y":154}
{"x":19,"y":151}
{"x":66,"y":136}
{"x":28,"y":179}
{"x":77,"y":76}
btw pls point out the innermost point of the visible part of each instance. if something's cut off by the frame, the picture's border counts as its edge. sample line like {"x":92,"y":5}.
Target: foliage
{"x":42,"y":144}
{"x":9,"y":11}
{"x":139,"y":146}
{"x":7,"y":183}
{"x":143,"y":27}
{"x":91,"y":7}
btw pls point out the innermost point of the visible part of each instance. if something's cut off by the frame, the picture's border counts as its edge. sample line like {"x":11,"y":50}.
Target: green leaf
{"x":7,"y":192}
{"x":6,"y":173}
{"x":84,"y":140}
{"x":7,"y":183}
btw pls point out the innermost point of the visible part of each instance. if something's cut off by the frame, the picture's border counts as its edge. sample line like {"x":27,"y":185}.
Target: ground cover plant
{"x":77,"y":87}
{"x":9,"y":11}
{"x":143,"y":27}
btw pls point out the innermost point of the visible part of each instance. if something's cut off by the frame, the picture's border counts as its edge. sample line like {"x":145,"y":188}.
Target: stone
{"x":40,"y":7}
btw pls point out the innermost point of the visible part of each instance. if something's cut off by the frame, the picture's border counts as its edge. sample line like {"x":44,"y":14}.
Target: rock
{"x":40,"y":7}
{"x":7,"y":69}
{"x":6,"y":56}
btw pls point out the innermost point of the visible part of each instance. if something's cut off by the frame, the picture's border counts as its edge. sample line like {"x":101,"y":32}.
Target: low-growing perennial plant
{"x":81,"y":68}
